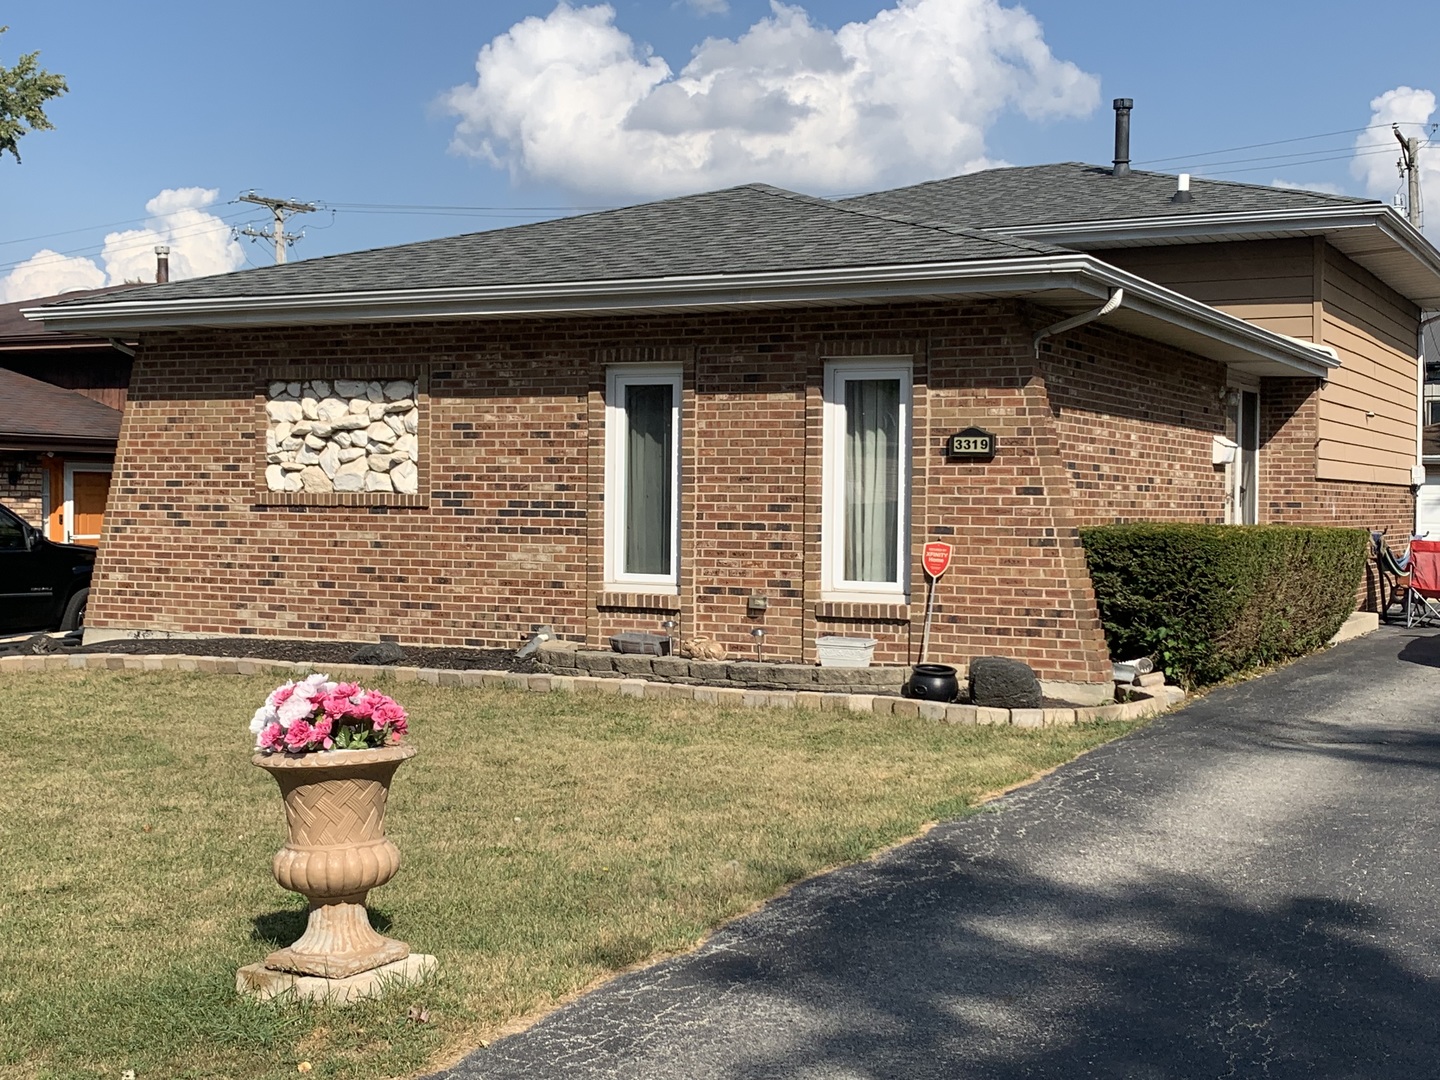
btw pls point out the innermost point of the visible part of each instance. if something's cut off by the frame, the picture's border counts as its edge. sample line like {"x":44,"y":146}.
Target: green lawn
{"x":548,"y":840}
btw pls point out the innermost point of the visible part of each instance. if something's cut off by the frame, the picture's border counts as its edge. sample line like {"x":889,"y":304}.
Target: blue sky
{"x":174,"y":109}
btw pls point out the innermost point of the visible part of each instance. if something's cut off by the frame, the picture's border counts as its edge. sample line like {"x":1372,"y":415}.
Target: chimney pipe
{"x":1122,"y":135}
{"x":1182,"y":189}
{"x":162,"y":264}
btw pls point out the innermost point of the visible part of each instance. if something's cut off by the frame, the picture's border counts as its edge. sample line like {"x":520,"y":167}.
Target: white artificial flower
{"x":264,"y":717}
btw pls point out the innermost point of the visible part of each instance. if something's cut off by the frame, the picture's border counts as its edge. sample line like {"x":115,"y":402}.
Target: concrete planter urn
{"x":337,"y":852}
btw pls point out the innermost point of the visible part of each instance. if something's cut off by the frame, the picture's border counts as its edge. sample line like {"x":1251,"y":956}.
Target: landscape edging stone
{"x":1141,"y":705}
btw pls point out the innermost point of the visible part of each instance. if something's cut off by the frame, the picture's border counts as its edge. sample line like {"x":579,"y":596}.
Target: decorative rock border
{"x":1142,"y":704}
{"x":562,"y":658}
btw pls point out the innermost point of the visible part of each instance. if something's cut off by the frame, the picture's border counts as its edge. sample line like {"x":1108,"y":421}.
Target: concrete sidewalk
{"x":1245,"y":888}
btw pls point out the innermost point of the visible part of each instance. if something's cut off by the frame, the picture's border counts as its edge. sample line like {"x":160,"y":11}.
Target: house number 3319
{"x":971,"y":444}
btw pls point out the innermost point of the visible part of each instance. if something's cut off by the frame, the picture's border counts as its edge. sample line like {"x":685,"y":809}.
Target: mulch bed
{"x":314,"y":652}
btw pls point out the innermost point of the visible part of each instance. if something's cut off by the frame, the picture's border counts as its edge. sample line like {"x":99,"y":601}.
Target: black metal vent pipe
{"x":1122,"y":135}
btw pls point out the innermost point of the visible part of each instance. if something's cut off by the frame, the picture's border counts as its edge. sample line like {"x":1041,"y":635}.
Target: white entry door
{"x":87,"y":487}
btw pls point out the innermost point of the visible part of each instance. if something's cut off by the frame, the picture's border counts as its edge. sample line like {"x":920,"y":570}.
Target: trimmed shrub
{"x":1210,"y":600}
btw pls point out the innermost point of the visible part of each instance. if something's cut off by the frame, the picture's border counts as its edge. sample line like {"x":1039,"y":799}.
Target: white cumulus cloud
{"x":199,"y":243}
{"x":48,"y":272}
{"x":708,"y":7}
{"x":1301,"y":185}
{"x":573,"y":100}
{"x":1377,"y":151}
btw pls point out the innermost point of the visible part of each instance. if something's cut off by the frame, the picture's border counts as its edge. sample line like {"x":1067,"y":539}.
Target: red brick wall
{"x":26,"y":497}
{"x":509,"y":533}
{"x":1136,"y":421}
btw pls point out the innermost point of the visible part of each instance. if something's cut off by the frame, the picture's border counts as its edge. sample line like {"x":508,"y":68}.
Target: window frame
{"x":834,"y":586}
{"x":617,"y":379}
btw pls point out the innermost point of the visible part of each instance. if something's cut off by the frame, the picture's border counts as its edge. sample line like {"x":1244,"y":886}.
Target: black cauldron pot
{"x":933,"y":682}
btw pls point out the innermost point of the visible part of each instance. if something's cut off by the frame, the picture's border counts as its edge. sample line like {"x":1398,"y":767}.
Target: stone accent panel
{"x":342,"y":435}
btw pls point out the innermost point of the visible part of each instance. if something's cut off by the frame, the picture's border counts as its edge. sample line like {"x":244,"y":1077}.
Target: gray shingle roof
{"x":35,"y":409}
{"x":16,"y":329}
{"x":750,"y":229}
{"x":1073,"y":191}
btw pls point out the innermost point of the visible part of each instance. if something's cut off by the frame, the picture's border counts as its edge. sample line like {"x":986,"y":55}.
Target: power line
{"x":425,"y":206}
{"x":71,"y":232}
{"x":1260,"y":145}
{"x":140,"y":242}
{"x":1348,"y":155}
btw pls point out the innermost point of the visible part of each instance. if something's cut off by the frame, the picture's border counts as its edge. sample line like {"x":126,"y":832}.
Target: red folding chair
{"x":1421,"y":608}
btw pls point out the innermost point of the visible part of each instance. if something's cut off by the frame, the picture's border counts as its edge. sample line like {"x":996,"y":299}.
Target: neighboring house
{"x":63,"y":396}
{"x":734,"y":409}
{"x":1427,"y":515}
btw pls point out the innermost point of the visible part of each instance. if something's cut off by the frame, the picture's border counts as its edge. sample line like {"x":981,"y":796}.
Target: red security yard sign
{"x":936,"y":559}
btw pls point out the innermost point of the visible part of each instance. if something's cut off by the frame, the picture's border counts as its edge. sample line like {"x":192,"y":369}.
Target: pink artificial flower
{"x":362,"y":704}
{"x":299,"y":736}
{"x":386,"y":713}
{"x":335,"y":705}
{"x":306,"y":715}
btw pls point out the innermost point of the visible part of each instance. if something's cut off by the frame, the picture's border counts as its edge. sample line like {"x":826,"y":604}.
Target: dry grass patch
{"x":547,"y":839}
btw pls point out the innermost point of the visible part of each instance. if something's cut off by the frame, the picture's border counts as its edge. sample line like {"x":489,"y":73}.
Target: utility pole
{"x":281,"y":208}
{"x":1410,"y":167}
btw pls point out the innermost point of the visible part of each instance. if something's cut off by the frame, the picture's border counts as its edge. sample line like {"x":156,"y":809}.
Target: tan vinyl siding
{"x":1270,"y":283}
{"x":1375,"y":331}
{"x":1305,"y":289}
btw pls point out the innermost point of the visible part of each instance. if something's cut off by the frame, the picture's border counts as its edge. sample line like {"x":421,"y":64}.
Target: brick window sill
{"x":862,"y":612}
{"x":629,"y":601}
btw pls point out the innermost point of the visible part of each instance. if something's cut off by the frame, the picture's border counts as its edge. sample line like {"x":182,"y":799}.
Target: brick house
{"x":662,"y":412}
{"x":63,"y":395}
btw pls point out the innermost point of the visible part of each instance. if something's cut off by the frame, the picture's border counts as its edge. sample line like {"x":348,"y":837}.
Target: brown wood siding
{"x":101,"y":376}
{"x":1368,"y":406}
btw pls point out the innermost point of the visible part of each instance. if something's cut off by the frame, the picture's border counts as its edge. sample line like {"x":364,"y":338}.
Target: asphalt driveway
{"x":1245,"y":888}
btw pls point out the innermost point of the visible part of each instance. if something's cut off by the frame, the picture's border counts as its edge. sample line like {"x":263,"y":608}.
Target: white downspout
{"x":1116,"y":296}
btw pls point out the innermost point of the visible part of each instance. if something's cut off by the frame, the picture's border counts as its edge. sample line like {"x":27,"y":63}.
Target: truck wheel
{"x":74,"y":618}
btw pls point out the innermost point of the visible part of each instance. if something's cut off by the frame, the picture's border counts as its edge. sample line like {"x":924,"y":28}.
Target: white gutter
{"x":991,"y":277}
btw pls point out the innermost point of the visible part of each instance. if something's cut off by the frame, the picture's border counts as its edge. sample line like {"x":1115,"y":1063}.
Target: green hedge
{"x":1211,"y":600}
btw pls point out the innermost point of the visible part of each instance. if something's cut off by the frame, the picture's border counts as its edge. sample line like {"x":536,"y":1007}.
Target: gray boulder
{"x":383,"y":652}
{"x":998,"y":682}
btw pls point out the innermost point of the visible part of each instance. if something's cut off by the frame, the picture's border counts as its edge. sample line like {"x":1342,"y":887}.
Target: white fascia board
{"x":1024,"y":276}
{"x":1190,"y":227}
{"x":570,"y":298}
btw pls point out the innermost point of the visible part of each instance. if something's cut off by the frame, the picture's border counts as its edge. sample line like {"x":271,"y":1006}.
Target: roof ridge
{"x":1152,"y":173}
{"x":969,"y":231}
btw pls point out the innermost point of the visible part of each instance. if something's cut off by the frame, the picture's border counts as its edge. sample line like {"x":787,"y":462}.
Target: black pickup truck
{"x":43,"y":585}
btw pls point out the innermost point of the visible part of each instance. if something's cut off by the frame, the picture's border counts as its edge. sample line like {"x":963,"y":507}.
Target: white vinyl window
{"x":642,"y":478}
{"x":865,"y":542}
